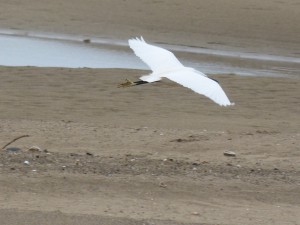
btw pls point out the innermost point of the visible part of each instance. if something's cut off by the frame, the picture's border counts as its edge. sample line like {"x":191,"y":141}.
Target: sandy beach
{"x":151,"y":154}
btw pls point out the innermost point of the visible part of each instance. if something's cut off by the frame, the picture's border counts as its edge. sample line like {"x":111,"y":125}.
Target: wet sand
{"x":150,"y":154}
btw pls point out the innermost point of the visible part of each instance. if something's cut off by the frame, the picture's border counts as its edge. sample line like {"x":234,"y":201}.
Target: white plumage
{"x":163,"y":63}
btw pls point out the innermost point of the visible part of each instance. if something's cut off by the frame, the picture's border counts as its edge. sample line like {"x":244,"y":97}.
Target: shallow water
{"x":24,"y":51}
{"x":48,"y":50}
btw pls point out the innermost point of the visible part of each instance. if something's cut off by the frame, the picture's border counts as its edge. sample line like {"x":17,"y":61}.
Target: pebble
{"x":87,"y":41}
{"x":163,"y":185}
{"x":229,"y":153}
{"x":34,"y":149}
{"x":26,"y":162}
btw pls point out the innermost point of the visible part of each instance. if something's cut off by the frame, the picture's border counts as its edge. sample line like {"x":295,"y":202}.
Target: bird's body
{"x":164,"y":64}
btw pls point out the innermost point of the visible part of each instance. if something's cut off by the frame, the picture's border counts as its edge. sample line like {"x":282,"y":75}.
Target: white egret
{"x":164,"y":64}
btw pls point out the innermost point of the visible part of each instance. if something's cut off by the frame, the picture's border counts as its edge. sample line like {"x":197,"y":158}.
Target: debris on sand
{"x":89,"y":153}
{"x":15,"y":139}
{"x":229,"y":153}
{"x":87,"y":41}
{"x":34,"y":149}
{"x":162,"y":184}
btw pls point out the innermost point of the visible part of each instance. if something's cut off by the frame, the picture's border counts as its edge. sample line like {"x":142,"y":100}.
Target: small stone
{"x":34,"y":149}
{"x":26,"y":162}
{"x":195,"y":213}
{"x":163,"y":185}
{"x":229,"y":153}
{"x":87,"y":41}
{"x":90,"y":154}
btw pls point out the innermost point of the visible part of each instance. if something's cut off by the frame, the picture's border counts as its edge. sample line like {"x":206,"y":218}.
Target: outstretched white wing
{"x":163,"y":63}
{"x":158,"y":59}
{"x":201,"y":84}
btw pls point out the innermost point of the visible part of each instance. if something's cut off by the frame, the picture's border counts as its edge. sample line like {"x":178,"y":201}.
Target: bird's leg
{"x":139,"y":82}
{"x":129,"y":83}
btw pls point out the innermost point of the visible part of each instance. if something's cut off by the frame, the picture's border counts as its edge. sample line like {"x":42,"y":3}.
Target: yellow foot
{"x":127,"y":83}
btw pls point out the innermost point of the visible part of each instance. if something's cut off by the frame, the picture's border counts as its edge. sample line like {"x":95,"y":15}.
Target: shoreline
{"x":123,"y":43}
{"x":209,"y":61}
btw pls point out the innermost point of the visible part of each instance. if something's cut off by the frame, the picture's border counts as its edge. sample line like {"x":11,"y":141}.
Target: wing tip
{"x":227,"y":104}
{"x":137,"y":39}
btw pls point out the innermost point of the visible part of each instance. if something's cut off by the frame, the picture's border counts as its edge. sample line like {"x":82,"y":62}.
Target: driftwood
{"x":15,"y":139}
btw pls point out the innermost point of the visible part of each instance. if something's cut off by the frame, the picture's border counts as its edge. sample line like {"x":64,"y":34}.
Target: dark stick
{"x":17,"y":138}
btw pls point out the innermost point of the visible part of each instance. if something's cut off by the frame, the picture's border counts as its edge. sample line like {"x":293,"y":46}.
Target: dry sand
{"x":152,"y":154}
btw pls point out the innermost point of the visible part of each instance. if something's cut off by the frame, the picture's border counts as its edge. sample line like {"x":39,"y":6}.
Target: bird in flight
{"x":164,"y":64}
